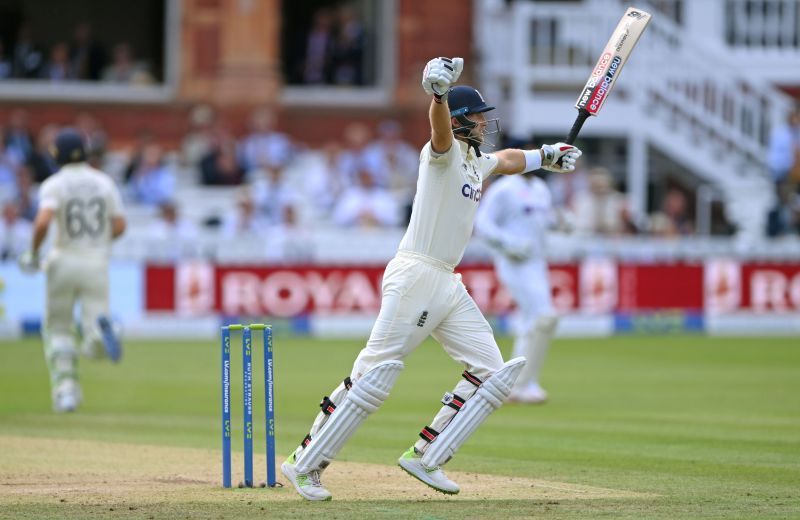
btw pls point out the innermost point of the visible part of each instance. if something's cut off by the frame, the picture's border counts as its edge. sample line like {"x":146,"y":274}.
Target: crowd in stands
{"x":280,"y":186}
{"x":81,"y":58}
{"x":784,"y":163}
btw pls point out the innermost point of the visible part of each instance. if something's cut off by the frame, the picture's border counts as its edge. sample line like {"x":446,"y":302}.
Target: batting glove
{"x":560,"y":157}
{"x":440,"y":74}
{"x":28,"y":262}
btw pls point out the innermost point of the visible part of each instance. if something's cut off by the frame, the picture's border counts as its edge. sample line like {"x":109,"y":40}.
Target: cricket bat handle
{"x":583,"y":115}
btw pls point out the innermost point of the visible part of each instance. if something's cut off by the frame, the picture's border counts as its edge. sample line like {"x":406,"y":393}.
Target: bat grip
{"x":583,"y":115}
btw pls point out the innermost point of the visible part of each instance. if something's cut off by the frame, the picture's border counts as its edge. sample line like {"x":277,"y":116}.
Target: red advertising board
{"x":597,"y":286}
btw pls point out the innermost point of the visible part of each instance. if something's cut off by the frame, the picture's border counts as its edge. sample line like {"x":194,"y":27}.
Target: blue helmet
{"x":69,"y":147}
{"x":464,"y":100}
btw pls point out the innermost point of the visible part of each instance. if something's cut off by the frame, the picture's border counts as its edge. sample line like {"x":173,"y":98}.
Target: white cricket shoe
{"x":411,"y":462}
{"x":531,"y":393}
{"x":309,"y":485}
{"x":67,"y":397}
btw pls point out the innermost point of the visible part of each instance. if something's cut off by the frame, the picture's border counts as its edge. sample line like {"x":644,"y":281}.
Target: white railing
{"x":768,"y":24}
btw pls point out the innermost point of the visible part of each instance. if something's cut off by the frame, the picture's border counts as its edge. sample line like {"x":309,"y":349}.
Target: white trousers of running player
{"x":421,"y":298}
{"x":536,"y":320}
{"x":73,"y":280}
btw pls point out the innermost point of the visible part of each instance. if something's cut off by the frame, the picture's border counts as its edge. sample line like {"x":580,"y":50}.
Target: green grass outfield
{"x":699,"y":427}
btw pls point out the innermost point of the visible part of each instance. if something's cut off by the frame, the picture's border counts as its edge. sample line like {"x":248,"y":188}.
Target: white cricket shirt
{"x":517,"y":210}
{"x":84,"y":200}
{"x":449,"y":189}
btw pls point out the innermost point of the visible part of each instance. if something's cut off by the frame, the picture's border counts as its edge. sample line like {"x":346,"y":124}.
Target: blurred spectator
{"x":41,"y":160}
{"x":221,"y":166}
{"x":94,"y":137}
{"x":9,"y":163}
{"x":393,"y":162}
{"x":27,"y":197}
{"x":58,"y":67}
{"x":366,"y":205}
{"x":673,"y":219}
{"x":347,"y":50}
{"x":317,"y":63}
{"x":264,"y":147}
{"x":784,"y":218}
{"x":356,"y":139}
{"x":784,"y":151}
{"x":15,"y":232}
{"x":150,"y":180}
{"x":18,"y":137}
{"x":602,"y":209}
{"x":125,"y":69}
{"x":87,"y":56}
{"x":198,"y":143}
{"x":273,"y":195}
{"x":27,"y":57}
{"x":322,"y":181}
{"x":6,"y":68}
{"x":567,"y":188}
{"x":176,"y":235}
{"x":245,"y":220}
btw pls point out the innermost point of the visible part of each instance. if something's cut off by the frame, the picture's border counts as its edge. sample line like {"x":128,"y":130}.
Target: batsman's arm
{"x":441,"y":129}
{"x":40,"y":225}
{"x":512,"y":160}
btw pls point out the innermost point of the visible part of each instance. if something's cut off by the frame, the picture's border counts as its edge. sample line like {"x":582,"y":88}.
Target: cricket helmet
{"x":69,"y":147}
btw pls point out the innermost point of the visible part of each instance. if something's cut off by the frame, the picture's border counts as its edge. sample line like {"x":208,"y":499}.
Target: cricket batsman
{"x":423,"y":296}
{"x":86,"y":207}
{"x":514,"y":218}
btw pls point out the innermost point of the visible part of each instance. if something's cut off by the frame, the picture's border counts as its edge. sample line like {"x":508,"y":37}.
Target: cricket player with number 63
{"x":86,"y":207}
{"x":423,"y":296}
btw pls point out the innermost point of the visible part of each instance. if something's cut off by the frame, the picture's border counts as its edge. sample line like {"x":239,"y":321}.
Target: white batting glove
{"x":518,"y":251}
{"x":28,"y":262}
{"x":440,"y":74}
{"x":560,"y":157}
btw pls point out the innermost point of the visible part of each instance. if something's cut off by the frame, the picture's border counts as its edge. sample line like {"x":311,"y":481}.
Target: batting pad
{"x":489,"y":397}
{"x":367,"y":395}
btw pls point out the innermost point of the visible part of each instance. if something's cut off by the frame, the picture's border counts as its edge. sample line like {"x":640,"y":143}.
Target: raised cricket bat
{"x":606,"y":72}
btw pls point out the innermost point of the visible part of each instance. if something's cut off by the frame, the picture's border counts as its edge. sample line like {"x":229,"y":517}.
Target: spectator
{"x":601,"y":210}
{"x":150,"y":180}
{"x":27,"y":57}
{"x":58,"y":67}
{"x":673,"y":219}
{"x":9,"y":163}
{"x":245,"y":220}
{"x":125,"y":69}
{"x":366,"y":205}
{"x":87,"y":56}
{"x":356,"y":139}
{"x":265,"y":147}
{"x":27,"y":197}
{"x":41,"y":160}
{"x":177,"y":235}
{"x":15,"y":232}
{"x":347,"y":51}
{"x":94,"y":138}
{"x":317,"y":62}
{"x":784,"y":218}
{"x":199,"y":142}
{"x":273,"y":196}
{"x":6,"y":67}
{"x":18,"y":137}
{"x":784,"y":151}
{"x":322,"y":181}
{"x":392,"y":161}
{"x":221,"y":166}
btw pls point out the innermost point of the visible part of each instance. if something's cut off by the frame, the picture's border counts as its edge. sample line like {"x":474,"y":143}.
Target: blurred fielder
{"x":422,"y":296}
{"x":87,"y":209}
{"x":514,"y":218}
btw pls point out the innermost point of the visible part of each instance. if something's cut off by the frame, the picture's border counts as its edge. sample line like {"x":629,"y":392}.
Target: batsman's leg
{"x":59,"y":344}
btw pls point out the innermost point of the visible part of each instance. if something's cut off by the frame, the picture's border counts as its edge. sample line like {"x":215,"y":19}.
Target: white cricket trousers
{"x":529,"y":286}
{"x":73,"y":279}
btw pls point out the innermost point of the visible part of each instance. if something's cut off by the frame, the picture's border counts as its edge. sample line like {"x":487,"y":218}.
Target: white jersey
{"x":449,"y":189}
{"x":84,"y":201}
{"x":516,"y":211}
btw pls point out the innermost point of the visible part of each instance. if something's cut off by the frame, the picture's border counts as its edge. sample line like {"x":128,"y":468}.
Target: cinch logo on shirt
{"x":471,"y":192}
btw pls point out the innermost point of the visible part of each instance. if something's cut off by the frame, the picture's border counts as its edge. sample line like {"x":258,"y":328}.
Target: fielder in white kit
{"x":514,"y":218}
{"x":87,"y":209}
{"x":423,"y":296}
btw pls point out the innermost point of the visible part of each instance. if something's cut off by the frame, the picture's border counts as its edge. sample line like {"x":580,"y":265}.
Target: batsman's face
{"x":479,"y":130}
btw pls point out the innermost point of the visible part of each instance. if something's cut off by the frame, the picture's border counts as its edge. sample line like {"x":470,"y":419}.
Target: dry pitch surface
{"x":123,"y":477}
